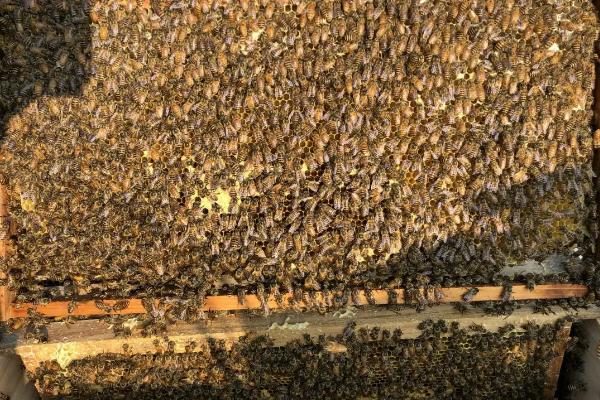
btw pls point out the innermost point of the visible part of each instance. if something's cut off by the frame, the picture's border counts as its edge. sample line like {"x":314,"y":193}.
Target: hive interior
{"x":183,"y":148}
{"x":444,"y":362}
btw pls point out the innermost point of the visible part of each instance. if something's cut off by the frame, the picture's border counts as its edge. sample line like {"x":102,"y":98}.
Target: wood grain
{"x":68,"y":342}
{"x":556,"y":363}
{"x":5,"y":294}
{"x":252,"y":302}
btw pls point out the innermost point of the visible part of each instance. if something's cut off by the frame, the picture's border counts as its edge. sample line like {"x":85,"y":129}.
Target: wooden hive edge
{"x":5,"y":294}
{"x":68,"y":342}
{"x":252,"y":302}
{"x":560,"y":347}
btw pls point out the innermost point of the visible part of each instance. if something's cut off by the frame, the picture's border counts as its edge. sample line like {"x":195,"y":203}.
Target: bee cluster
{"x":444,"y":362}
{"x":297,"y":144}
{"x":44,"y":50}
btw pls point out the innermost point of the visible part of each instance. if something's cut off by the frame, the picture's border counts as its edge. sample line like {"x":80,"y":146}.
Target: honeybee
{"x":323,"y":126}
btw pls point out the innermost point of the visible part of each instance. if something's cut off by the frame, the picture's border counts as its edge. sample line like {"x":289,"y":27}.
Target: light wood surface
{"x":554,"y":369}
{"x":5,"y":295}
{"x":68,"y":342}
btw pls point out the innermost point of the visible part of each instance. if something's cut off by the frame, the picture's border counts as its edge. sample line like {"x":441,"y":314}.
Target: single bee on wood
{"x":470,"y":294}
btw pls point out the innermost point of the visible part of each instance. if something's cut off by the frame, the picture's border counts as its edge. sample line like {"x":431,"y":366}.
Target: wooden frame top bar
{"x":252,"y":302}
{"x":67,"y":342}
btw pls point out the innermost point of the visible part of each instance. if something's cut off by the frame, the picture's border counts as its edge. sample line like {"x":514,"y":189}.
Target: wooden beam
{"x":252,"y":302}
{"x":5,"y":294}
{"x":3,"y":201}
{"x":5,"y":303}
{"x":556,"y":363}
{"x":68,"y":342}
{"x":596,"y":149}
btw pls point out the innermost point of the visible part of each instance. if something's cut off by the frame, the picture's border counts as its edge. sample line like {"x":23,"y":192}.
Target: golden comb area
{"x":292,"y":143}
